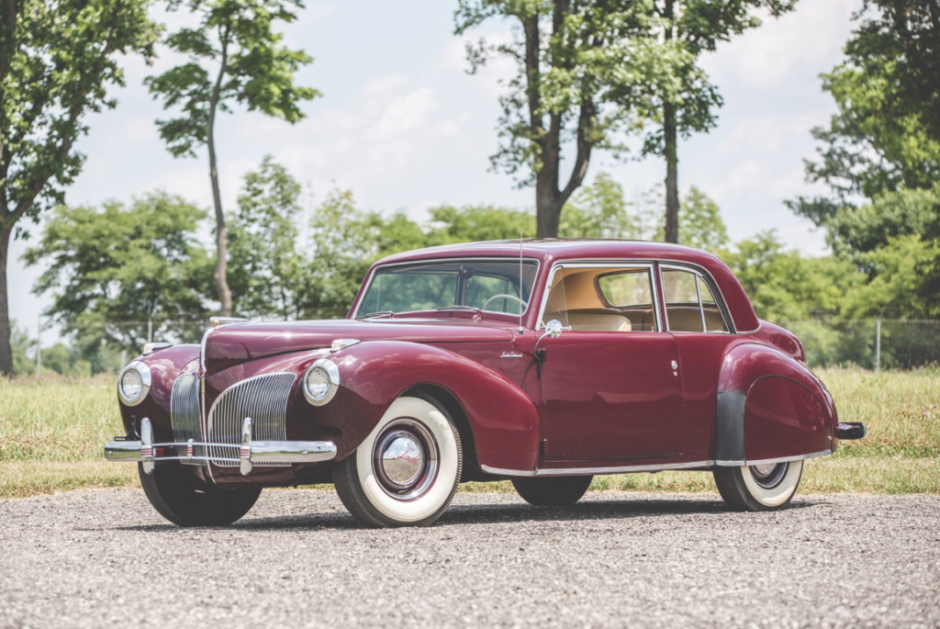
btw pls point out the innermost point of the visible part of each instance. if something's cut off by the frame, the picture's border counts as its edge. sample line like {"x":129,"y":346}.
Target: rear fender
{"x":502,"y":418}
{"x":770,"y":407}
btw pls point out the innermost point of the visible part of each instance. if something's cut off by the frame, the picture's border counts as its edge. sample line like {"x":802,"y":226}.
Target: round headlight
{"x":321,"y":381}
{"x":134,"y":383}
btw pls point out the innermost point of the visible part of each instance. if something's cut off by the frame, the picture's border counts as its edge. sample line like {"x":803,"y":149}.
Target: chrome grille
{"x":263,"y":399}
{"x":184,"y":413}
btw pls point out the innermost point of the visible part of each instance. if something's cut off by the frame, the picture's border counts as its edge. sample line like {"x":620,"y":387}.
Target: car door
{"x":611,"y":387}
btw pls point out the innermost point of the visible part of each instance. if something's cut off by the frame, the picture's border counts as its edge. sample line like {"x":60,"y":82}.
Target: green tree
{"x":784,"y":286}
{"x":267,"y":262}
{"x":58,"y":59}
{"x":22,"y":346}
{"x":250,"y":66}
{"x":852,"y":231}
{"x":598,"y":211}
{"x":898,"y":287}
{"x":868,"y":149}
{"x":580,"y":67}
{"x":112,"y":269}
{"x":474,"y":223}
{"x":703,"y":226}
{"x":65,"y":361}
{"x":346,"y":240}
{"x":685,"y":101}
{"x":901,"y":39}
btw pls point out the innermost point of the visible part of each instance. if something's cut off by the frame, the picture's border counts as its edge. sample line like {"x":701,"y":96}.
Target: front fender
{"x":770,"y":407}
{"x":502,"y":418}
{"x":165,"y":365}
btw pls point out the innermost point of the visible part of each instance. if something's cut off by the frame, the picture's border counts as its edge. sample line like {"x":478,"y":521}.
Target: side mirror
{"x":554,"y":328}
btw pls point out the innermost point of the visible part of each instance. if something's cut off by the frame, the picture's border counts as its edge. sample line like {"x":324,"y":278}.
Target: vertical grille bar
{"x":184,"y":413}
{"x":263,"y":399}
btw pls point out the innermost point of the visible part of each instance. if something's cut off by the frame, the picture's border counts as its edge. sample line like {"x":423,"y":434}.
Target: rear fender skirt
{"x":503,"y":419}
{"x":770,"y":407}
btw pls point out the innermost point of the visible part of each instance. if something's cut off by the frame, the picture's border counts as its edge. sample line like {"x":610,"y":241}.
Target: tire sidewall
{"x":428,"y":506}
{"x":773,"y":497}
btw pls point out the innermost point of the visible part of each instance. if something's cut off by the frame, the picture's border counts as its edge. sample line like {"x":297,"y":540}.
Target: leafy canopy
{"x":266,"y":255}
{"x":253,"y":68}
{"x":57,"y":61}
{"x":579,"y":67}
{"x":112,"y":268}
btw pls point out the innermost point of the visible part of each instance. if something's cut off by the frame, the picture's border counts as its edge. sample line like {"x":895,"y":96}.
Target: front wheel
{"x":405,"y":473}
{"x":759,"y":487}
{"x":545,"y":492}
{"x":175,"y":495}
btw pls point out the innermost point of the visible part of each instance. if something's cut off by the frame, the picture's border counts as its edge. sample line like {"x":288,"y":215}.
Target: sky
{"x":403,"y":125}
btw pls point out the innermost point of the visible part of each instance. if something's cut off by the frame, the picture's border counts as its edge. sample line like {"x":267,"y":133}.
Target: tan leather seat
{"x":590,"y":322}
{"x":689,"y":319}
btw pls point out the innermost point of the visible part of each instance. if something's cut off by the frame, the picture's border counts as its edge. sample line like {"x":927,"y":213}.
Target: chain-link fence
{"x":869,"y":343}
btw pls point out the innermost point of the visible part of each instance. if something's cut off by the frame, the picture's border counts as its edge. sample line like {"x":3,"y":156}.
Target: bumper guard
{"x":249,"y":453}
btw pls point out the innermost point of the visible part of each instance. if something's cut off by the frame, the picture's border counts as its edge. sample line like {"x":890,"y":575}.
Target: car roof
{"x":551,"y":250}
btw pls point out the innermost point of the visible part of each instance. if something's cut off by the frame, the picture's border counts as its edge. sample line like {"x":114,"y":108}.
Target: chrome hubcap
{"x":765,"y":469}
{"x":405,"y":459}
{"x":402,"y":459}
{"x":769,"y":475}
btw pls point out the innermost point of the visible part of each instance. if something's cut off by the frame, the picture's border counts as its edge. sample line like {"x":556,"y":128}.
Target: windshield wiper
{"x":469,"y":308}
{"x":379,"y":313}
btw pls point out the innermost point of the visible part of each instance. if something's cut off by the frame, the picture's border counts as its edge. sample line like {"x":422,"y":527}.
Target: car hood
{"x":232,"y":344}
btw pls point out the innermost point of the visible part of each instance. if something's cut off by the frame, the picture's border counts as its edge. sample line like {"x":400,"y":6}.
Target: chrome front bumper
{"x":249,"y":453}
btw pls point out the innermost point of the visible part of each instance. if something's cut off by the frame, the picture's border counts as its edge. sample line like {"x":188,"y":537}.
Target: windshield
{"x":470,"y":284}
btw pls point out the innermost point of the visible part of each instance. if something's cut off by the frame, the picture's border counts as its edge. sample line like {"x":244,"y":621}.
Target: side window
{"x":714,"y":321}
{"x":690,"y":304}
{"x":602,"y":299}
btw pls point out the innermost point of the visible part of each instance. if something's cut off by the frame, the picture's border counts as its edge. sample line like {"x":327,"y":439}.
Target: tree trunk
{"x":6,"y":350}
{"x":221,"y":235}
{"x":672,"y":174}
{"x":669,"y":138}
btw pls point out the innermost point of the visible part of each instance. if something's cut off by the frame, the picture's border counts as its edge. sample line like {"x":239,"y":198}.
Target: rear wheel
{"x":175,"y":495}
{"x":405,"y":473}
{"x":543,"y":492}
{"x":759,"y":487}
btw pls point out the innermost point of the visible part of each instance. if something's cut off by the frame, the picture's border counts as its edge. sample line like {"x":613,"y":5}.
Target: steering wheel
{"x":494,"y":297}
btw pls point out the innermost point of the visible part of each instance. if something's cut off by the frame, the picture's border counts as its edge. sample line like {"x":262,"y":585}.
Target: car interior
{"x":621,"y":300}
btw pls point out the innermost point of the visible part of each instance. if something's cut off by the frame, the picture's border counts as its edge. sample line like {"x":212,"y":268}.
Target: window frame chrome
{"x":602,"y":264}
{"x":712,"y":285}
{"x":367,"y":283}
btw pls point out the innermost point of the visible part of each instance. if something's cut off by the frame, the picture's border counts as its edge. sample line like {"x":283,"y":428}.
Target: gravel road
{"x":106,"y":559}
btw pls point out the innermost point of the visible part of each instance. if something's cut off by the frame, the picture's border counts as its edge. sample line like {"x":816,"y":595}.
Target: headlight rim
{"x":146,"y":380}
{"x":328,"y":367}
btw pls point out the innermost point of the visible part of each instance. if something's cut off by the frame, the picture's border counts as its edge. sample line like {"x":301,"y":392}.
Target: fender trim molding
{"x":783,"y":459}
{"x":587,"y":471}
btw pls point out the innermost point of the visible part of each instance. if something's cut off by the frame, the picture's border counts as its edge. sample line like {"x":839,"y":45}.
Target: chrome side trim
{"x":503,"y":472}
{"x":787,"y":459}
{"x":264,"y":399}
{"x":185,"y":416}
{"x":584,"y":471}
{"x":603,"y":264}
{"x":730,"y":463}
{"x":712,"y":285}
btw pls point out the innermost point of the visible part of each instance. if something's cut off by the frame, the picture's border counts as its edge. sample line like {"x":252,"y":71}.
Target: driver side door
{"x":611,"y":386}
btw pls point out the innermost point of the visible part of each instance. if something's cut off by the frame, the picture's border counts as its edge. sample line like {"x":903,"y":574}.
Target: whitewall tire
{"x":405,"y":473}
{"x":759,"y":487}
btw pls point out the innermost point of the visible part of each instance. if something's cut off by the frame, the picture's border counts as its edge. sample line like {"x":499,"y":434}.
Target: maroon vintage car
{"x":545,"y":362}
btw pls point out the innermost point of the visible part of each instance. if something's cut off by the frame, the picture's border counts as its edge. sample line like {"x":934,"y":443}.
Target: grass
{"x":52,"y":431}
